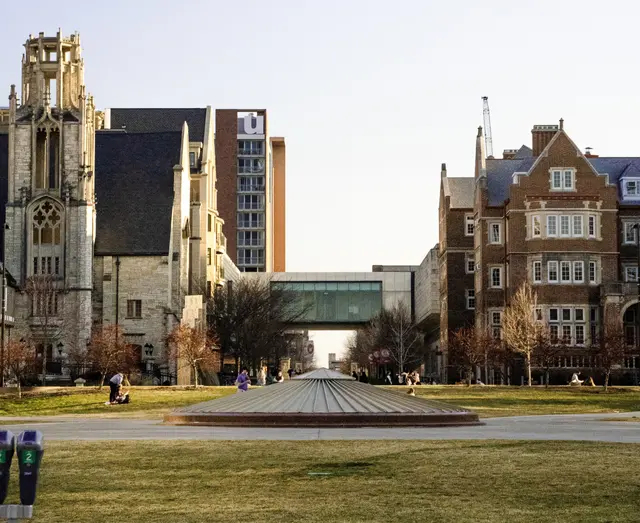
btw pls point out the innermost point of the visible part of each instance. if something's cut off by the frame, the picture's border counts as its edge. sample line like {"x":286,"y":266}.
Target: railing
{"x":251,"y":169}
{"x":251,"y":188}
{"x":250,"y":152}
{"x":619,"y":287}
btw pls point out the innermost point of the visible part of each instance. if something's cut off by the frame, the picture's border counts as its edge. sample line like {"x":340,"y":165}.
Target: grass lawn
{"x":374,"y":481}
{"x":153,"y":402}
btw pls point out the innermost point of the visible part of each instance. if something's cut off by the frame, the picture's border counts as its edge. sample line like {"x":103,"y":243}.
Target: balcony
{"x":250,"y":152}
{"x":251,"y":188}
{"x":619,"y":288}
{"x":221,"y":244}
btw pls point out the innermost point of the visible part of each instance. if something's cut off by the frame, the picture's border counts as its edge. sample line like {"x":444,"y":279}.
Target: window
{"x":468,"y":225}
{"x":255,"y":147}
{"x":562,"y":179}
{"x":631,"y":188}
{"x":208,"y":255}
{"x":537,"y":314}
{"x":536,"y":229}
{"x":46,"y":238}
{"x":45,"y":302}
{"x":552,"y":272}
{"x":250,"y":238}
{"x":537,"y":272}
{"x":564,"y":225}
{"x":578,"y":314}
{"x":578,"y":272}
{"x":592,"y":226}
{"x":566,"y":314}
{"x":469,"y":263}
{"x":496,"y":324}
{"x":208,"y":288}
{"x":251,"y":220}
{"x":577,"y":225}
{"x":553,"y":333}
{"x":192,"y":159}
{"x":250,"y":202}
{"x":565,"y":272}
{"x":592,"y":272}
{"x":250,"y":256}
{"x":251,"y":184}
{"x":250,"y":165}
{"x":209,"y":222}
{"x":471,"y":299}
{"x":495,"y":277}
{"x":134,"y":308}
{"x":631,"y":274}
{"x":629,"y":232}
{"x":495,"y":234}
{"x":566,"y":333}
{"x":552,"y":225}
{"x":553,"y":314}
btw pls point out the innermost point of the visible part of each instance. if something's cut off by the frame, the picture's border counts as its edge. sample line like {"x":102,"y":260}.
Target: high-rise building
{"x":250,"y":167}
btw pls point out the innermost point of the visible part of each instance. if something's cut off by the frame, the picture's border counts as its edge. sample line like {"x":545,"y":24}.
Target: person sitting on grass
{"x":575,"y":380}
{"x":411,"y":392}
{"x":123,"y":397}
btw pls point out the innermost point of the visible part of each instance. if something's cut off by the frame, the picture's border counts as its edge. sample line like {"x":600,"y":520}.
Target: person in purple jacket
{"x":243,"y":381}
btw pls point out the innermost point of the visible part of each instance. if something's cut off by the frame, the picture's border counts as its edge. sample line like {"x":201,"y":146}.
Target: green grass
{"x":372,"y":481}
{"x":150,"y":402}
{"x":153,"y":402}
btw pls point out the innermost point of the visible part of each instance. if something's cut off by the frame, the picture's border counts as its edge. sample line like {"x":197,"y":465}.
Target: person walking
{"x":243,"y":380}
{"x":114,"y":386}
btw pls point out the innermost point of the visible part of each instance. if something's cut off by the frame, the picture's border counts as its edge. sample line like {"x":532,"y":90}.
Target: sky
{"x":372,"y":96}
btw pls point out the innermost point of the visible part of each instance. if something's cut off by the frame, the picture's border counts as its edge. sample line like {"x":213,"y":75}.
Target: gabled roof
{"x":134,"y":192}
{"x":460,"y":191}
{"x":138,"y":120}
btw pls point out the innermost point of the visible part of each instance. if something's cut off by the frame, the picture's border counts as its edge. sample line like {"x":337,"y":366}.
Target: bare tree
{"x":610,"y":351}
{"x":465,"y":352}
{"x":108,"y":352}
{"x":358,"y":348}
{"x":190,"y":347}
{"x":250,"y":318}
{"x":520,"y":328}
{"x":393,"y":329}
{"x":20,"y":361}
{"x":546,"y":352}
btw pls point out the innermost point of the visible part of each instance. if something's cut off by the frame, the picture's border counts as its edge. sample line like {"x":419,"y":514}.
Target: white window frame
{"x":564,"y":264}
{"x":578,"y":265}
{"x":636,"y":192}
{"x":553,"y":217}
{"x":491,"y":228}
{"x":491,"y":269}
{"x":592,"y":226}
{"x":552,"y":265}
{"x":566,"y":339}
{"x":629,"y":227}
{"x":496,"y":326}
{"x":468,"y":220}
{"x":593,"y":272}
{"x":584,"y":334}
{"x":536,"y":226}
{"x":565,"y":218}
{"x":469,"y":257}
{"x":562,"y":185}
{"x":562,"y":311}
{"x":471,"y":296}
{"x":575,"y":315}
{"x":577,"y":232}
{"x":557,"y":320}
{"x":537,"y":264}
{"x":628,"y":269}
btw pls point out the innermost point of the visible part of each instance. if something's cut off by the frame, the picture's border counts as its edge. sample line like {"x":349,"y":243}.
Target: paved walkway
{"x":585,"y":427}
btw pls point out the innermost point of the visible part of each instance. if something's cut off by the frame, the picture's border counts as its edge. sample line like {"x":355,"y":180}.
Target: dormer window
{"x":631,"y":189}
{"x":562,"y":179}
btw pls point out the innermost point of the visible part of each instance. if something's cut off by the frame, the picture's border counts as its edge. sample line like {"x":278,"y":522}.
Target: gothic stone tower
{"x":51,"y":207}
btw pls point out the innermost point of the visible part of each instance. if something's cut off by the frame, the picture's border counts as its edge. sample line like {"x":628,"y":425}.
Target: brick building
{"x":563,"y":220}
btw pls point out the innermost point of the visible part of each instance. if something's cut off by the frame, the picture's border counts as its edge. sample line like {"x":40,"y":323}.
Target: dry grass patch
{"x":372,"y":481}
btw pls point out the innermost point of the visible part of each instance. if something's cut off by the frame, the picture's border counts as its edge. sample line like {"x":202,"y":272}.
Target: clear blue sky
{"x":372,"y":96}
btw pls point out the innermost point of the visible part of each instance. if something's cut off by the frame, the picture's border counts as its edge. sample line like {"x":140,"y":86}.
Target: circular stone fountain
{"x":322,"y":398}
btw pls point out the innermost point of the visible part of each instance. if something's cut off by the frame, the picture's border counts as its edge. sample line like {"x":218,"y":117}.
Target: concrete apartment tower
{"x":250,"y":169}
{"x":50,"y":207}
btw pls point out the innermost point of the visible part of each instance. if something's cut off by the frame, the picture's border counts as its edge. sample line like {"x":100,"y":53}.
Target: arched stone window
{"x":46,"y":238}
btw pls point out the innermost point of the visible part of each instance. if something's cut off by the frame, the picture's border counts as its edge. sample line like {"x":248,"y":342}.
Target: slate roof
{"x":4,"y":179}
{"x":461,"y":191}
{"x":134,"y":192}
{"x":161,"y":120}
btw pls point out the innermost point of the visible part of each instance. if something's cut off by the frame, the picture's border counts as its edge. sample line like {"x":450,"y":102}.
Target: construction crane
{"x":488,"y":139}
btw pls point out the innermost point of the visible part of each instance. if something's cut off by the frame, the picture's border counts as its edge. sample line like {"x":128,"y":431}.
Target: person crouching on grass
{"x":114,"y":386}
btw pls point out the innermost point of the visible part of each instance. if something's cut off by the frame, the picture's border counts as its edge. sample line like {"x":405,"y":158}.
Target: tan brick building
{"x":549,"y":214}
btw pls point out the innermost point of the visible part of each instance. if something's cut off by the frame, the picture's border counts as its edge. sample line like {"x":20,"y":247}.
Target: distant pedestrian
{"x":114,"y":386}
{"x":363,"y":377}
{"x":243,"y":381}
{"x":290,"y":373}
{"x":279,"y":377}
{"x":388,"y":380}
{"x":355,"y":375}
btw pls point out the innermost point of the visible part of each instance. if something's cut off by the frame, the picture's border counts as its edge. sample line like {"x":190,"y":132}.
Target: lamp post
{"x":4,"y":302}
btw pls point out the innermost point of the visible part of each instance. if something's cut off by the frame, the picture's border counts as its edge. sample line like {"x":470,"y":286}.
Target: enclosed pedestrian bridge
{"x":343,"y":300}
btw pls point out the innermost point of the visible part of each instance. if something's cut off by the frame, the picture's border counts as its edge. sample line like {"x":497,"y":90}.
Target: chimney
{"x":509,"y":154}
{"x":588,"y":153}
{"x":480,"y":158}
{"x":443,"y":171}
{"x":541,"y":136}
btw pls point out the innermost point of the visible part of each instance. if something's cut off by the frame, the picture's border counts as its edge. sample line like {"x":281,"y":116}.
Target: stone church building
{"x":110,"y":217}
